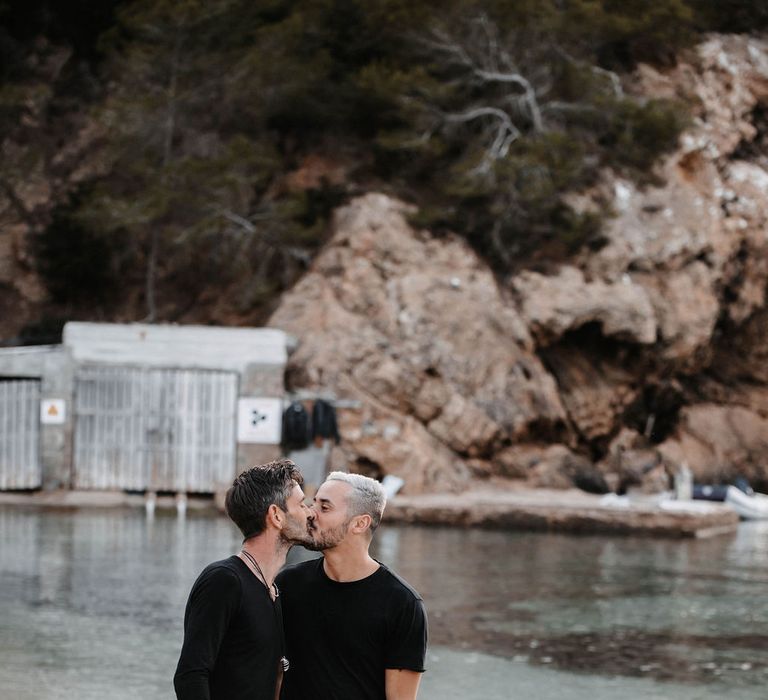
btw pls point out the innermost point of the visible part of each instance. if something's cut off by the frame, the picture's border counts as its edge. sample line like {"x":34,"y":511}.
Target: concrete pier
{"x":564,"y":511}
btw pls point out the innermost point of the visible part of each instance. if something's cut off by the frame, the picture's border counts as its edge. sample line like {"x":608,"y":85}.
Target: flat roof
{"x":202,"y":347}
{"x":30,"y":349}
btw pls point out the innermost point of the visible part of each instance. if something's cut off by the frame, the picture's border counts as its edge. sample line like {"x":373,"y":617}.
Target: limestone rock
{"x":553,"y":305}
{"x":596,"y":385}
{"x":458,"y":376}
{"x":720,"y":443}
{"x":401,"y":446}
{"x":632,"y":464}
{"x":682,"y":257}
{"x":518,"y":461}
{"x":418,"y":330}
{"x":548,"y":466}
{"x":744,"y":354}
{"x":464,"y":427}
{"x":687,"y":307}
{"x":703,"y":229}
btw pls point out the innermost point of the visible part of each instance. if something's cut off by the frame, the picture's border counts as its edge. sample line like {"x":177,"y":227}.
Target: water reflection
{"x":686,"y":611}
{"x":91,"y":605}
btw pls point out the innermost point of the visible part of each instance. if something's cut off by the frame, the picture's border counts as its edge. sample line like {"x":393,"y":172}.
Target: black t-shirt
{"x":233,"y":638}
{"x":340,"y":637}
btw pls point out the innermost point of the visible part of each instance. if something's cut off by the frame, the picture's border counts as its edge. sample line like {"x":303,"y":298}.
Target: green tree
{"x":193,"y":161}
{"x":731,"y":15}
{"x":503,"y":120}
{"x":486,"y":113}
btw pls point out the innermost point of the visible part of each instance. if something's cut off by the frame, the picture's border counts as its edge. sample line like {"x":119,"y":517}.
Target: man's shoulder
{"x":398,"y":585}
{"x":224,"y":570}
{"x":228,"y":564}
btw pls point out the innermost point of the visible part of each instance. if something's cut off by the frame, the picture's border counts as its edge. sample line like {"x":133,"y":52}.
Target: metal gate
{"x":20,"y":434}
{"x":154,"y":429}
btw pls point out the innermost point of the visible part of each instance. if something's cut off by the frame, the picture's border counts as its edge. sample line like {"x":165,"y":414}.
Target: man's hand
{"x":401,"y":684}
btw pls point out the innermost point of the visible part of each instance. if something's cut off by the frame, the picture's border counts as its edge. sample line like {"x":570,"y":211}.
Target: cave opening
{"x":655,"y":412}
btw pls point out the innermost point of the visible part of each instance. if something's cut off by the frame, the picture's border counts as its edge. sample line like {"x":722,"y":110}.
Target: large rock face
{"x":713,"y":438}
{"x":617,"y":367}
{"x":419,"y":332}
{"x":660,"y":335}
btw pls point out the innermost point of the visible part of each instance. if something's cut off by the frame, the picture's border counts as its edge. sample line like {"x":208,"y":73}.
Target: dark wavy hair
{"x":256,"y":489}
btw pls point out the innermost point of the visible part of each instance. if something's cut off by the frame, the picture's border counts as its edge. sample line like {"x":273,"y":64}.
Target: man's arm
{"x":210,"y":608}
{"x":401,"y":684}
{"x":406,"y":648}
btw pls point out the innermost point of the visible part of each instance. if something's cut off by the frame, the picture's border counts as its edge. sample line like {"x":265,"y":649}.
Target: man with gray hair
{"x":354,"y":629}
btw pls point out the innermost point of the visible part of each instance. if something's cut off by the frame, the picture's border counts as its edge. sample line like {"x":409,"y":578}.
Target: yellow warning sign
{"x":52,"y":411}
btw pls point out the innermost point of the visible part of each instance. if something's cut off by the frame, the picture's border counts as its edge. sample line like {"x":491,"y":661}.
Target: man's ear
{"x":275,"y":516}
{"x":361,"y":523}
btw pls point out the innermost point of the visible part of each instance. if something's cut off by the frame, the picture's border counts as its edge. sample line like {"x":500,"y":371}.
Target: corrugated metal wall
{"x":156,"y":429}
{"x":19,"y":434}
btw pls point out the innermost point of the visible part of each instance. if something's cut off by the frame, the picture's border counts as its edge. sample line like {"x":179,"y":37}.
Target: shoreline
{"x":545,"y":510}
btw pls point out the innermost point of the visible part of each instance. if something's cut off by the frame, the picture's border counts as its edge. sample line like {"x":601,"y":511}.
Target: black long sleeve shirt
{"x":233,"y":639}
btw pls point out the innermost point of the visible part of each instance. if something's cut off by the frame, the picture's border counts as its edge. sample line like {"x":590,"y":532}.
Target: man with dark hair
{"x":354,"y":629}
{"x":233,"y":627}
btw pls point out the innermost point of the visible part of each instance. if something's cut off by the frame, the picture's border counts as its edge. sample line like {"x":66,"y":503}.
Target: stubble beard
{"x":329,"y":538}
{"x":296,"y":532}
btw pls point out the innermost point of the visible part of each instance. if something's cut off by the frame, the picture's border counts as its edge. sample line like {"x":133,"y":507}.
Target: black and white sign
{"x":259,"y":420}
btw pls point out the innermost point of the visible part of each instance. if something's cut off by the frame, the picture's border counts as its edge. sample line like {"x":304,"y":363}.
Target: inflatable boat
{"x":749,"y":506}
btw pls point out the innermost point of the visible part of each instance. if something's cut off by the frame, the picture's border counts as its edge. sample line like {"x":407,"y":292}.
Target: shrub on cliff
{"x":485,"y":113}
{"x":499,"y":123}
{"x":196,"y":169}
{"x":741,"y":16}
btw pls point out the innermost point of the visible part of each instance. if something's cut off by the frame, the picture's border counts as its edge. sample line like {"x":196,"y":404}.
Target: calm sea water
{"x":91,"y":606}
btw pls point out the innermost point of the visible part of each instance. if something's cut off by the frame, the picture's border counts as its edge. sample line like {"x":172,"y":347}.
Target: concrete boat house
{"x":141,"y":408}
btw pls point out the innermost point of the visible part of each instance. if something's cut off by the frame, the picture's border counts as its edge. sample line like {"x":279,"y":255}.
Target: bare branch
{"x":239,"y":220}
{"x":498,"y":246}
{"x":498,"y":77}
{"x":492,"y":40}
{"x":557,"y":106}
{"x":459,"y":54}
{"x":302,"y":255}
{"x":506,"y":133}
{"x":531,"y":100}
{"x":446,"y":45}
{"x":481,"y":112}
{"x":613,"y":78}
{"x":514,"y":72}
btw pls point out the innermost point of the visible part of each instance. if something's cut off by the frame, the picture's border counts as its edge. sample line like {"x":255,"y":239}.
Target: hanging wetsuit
{"x":324,"y":423}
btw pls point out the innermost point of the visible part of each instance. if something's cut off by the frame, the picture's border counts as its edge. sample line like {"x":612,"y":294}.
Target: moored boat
{"x":752,"y":506}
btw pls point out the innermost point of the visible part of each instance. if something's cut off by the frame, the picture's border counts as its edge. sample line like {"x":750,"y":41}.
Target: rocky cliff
{"x":615,"y":368}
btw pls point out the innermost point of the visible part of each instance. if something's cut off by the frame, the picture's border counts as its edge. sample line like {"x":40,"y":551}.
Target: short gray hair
{"x":367,"y":496}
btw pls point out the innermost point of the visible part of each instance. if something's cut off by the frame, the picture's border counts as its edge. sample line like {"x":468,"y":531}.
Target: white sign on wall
{"x":53,"y":411}
{"x":259,"y":421}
